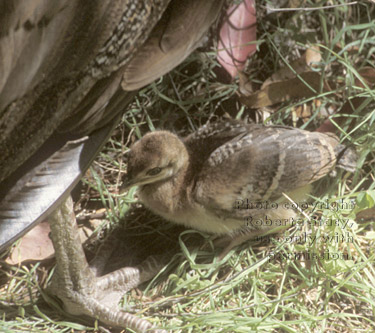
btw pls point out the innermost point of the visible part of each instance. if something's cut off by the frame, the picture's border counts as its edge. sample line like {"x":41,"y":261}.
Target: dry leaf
{"x":307,"y":110}
{"x":284,"y":91}
{"x":35,"y":245}
{"x":303,"y":112}
{"x":301,"y":65}
{"x":347,"y":108}
{"x":237,"y":37}
{"x":368,"y":75}
{"x":245,"y":87}
{"x":366,"y":215}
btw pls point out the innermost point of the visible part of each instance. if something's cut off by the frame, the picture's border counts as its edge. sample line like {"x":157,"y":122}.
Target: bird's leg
{"x":78,"y":287}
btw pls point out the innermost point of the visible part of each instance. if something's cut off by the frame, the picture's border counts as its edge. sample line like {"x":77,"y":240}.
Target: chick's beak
{"x":127,"y":183}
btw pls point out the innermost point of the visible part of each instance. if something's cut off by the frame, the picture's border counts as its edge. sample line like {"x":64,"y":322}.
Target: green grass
{"x":250,"y":290}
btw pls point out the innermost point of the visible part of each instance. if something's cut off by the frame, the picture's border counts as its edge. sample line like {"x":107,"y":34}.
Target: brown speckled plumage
{"x":65,"y":69}
{"x":61,"y":65}
{"x":204,"y":176}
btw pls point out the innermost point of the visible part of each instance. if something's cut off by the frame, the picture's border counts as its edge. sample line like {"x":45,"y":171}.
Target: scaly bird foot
{"x":79,"y":288}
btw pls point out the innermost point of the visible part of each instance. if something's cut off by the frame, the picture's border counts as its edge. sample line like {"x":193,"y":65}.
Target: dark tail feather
{"x":347,"y":158}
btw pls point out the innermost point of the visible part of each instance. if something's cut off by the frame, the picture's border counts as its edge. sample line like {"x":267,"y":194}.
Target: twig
{"x":309,"y":9}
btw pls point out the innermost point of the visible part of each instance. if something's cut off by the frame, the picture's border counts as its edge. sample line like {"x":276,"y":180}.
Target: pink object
{"x":237,"y":35}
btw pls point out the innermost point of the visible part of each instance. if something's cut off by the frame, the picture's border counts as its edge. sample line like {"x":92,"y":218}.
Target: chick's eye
{"x":153,"y":171}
